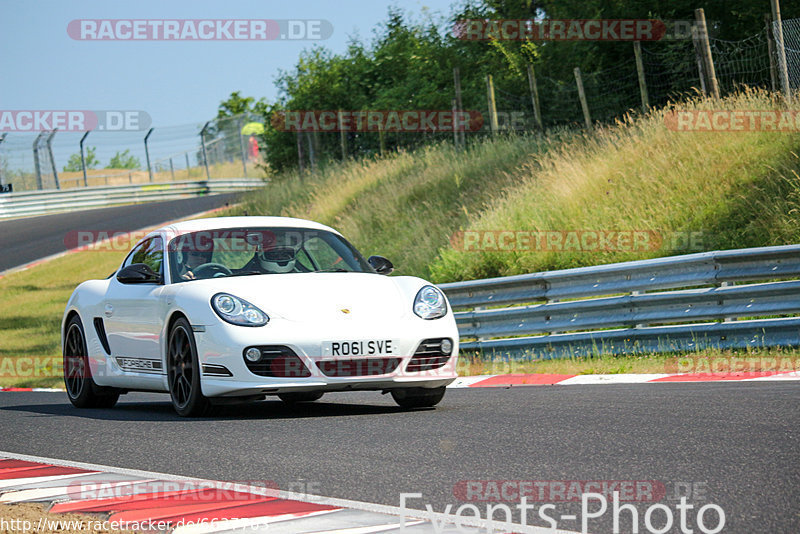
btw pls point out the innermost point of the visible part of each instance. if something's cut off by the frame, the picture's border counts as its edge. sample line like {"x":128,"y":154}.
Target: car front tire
{"x":183,"y":371}
{"x":81,"y":388}
{"x":418,"y":397}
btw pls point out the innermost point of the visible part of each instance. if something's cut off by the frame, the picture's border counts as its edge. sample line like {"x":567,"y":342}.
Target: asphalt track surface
{"x":736,"y":444}
{"x":29,"y":239}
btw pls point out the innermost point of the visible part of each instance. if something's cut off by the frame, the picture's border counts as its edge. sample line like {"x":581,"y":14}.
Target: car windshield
{"x":256,"y":251}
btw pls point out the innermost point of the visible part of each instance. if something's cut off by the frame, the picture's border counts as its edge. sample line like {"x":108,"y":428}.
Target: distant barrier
{"x":27,"y":203}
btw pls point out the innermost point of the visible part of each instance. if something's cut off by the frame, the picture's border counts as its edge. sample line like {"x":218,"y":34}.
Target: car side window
{"x":149,"y":252}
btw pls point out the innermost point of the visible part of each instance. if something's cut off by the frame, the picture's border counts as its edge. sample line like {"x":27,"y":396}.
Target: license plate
{"x":369,"y":347}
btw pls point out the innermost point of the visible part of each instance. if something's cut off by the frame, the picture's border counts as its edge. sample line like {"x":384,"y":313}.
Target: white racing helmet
{"x":277,"y":259}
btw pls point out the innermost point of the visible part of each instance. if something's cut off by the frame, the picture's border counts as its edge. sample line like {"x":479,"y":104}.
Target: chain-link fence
{"x":791,"y":40}
{"x":222,"y":148}
{"x":672,"y":70}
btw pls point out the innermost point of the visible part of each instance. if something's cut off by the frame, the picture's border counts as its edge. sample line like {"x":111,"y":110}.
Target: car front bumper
{"x":223,"y":345}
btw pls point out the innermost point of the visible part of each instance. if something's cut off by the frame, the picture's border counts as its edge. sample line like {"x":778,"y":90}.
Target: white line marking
{"x":611,"y":379}
{"x":316,"y":499}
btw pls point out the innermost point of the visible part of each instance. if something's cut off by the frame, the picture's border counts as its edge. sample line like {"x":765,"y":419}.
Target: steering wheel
{"x":215,"y":268}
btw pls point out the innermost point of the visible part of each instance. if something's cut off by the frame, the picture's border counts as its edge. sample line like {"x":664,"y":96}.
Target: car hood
{"x":316,"y":296}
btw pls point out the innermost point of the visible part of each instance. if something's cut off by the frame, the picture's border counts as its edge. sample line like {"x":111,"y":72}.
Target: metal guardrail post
{"x":52,"y":159}
{"x":83,"y":159}
{"x":36,"y":165}
{"x":205,"y":154}
{"x":147,"y":154}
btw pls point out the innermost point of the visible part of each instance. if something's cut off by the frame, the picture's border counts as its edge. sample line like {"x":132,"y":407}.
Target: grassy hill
{"x":682,"y":191}
{"x":725,"y":190}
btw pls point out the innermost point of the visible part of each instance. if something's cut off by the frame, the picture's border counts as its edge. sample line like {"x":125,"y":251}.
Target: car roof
{"x":253,"y":221}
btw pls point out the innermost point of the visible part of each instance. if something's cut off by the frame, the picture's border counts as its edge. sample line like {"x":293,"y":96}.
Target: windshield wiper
{"x":247,"y":273}
{"x":333,"y":270}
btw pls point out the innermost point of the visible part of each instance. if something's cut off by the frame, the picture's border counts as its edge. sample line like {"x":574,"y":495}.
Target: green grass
{"x":31,"y":305}
{"x":700,"y":361}
{"x":733,"y":189}
{"x":405,"y":206}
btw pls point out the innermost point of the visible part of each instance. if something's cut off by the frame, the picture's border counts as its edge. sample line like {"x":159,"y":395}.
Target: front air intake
{"x":429,"y":355}
{"x":359,"y":367}
{"x":276,"y":361}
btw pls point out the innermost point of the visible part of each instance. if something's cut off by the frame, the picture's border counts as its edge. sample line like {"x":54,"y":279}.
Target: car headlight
{"x":430,"y":303}
{"x":237,"y":311}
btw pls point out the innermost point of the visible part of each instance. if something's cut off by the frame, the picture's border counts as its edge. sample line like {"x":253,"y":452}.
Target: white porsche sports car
{"x":236,"y":308}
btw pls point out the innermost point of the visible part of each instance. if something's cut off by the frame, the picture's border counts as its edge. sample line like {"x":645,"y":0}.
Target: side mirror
{"x":138,"y":273}
{"x":380,"y":264}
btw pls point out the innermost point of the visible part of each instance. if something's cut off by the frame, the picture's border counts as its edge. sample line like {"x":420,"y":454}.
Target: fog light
{"x":446,"y":346}
{"x":253,"y":354}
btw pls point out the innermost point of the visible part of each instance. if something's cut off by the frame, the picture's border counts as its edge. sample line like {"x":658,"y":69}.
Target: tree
{"x":74,"y":161}
{"x":238,"y":105}
{"x":124,"y":160}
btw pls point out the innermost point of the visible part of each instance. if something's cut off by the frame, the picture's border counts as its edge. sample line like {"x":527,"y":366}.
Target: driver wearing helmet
{"x":192,"y":259}
{"x":275,"y":260}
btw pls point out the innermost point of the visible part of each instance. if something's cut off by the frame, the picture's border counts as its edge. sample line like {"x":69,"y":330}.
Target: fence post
{"x":147,"y":154}
{"x":462,"y":134}
{"x":781,"y":48}
{"x":705,"y":47}
{"x":83,"y":159}
{"x":171,"y":169}
{"x":582,"y":95}
{"x":312,"y":156}
{"x":36,"y":165}
{"x":300,"y":157}
{"x":537,"y":111}
{"x":239,"y":127}
{"x":49,"y":143}
{"x":454,"y":106}
{"x":773,"y":71}
{"x":2,"y":182}
{"x":698,"y":55}
{"x":637,"y":52}
{"x":492,"y":104}
{"x":381,"y":139}
{"x":205,"y":154}
{"x":342,"y":134}
{"x":188,"y":166}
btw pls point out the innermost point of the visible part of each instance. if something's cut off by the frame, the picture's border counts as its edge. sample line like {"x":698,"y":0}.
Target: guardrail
{"x":27,"y":203}
{"x":678,"y":303}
